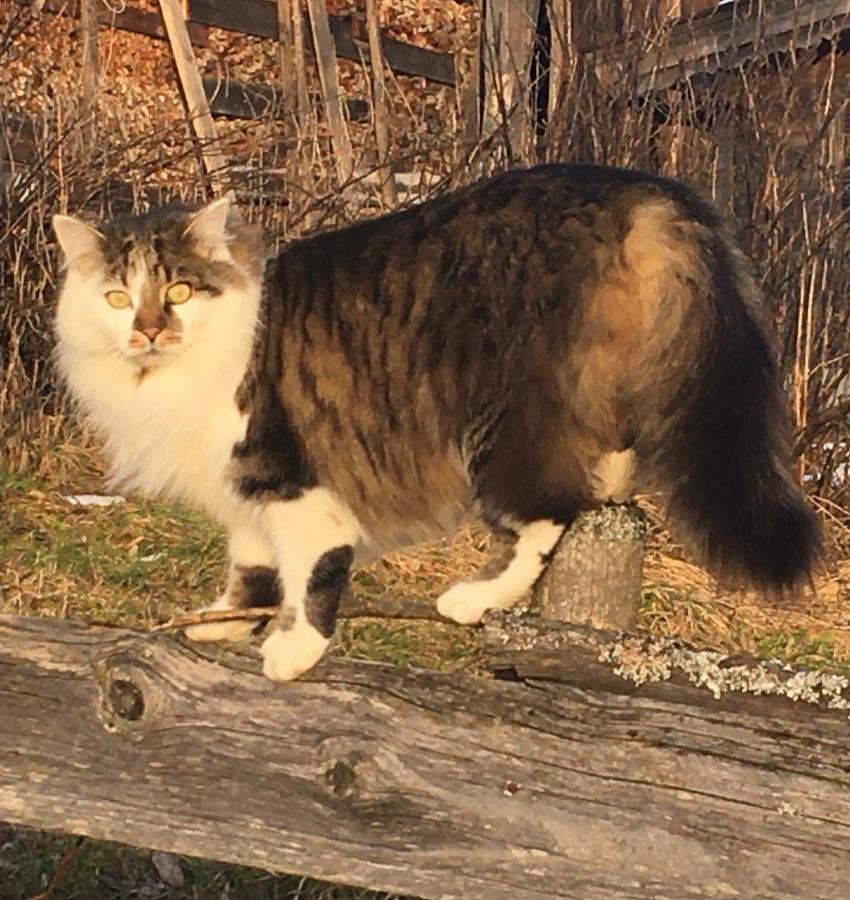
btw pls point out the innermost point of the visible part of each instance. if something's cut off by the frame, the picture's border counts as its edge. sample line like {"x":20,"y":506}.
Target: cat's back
{"x":523,"y":230}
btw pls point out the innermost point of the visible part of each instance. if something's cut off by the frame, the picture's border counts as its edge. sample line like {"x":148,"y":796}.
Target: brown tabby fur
{"x":494,"y":344}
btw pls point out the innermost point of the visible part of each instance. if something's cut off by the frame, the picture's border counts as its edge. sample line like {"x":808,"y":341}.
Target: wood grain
{"x":417,"y":782}
{"x":595,"y":575}
{"x":259,"y":17}
{"x":325,"y":51}
{"x":192,"y":89}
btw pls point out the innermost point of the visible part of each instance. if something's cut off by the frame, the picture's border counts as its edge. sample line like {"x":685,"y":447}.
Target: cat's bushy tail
{"x":714,"y":431}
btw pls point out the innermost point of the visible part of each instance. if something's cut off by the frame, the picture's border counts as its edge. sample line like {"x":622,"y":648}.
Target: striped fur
{"x":520,"y":349}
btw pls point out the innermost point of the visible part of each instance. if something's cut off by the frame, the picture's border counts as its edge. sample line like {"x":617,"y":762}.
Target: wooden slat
{"x":323,"y":45}
{"x":89,"y":67}
{"x":259,"y":17}
{"x":250,"y":100}
{"x":732,"y":33}
{"x":509,"y":30}
{"x":127,"y":19}
{"x":289,"y":100}
{"x":299,"y":61}
{"x":194,"y":97}
{"x":421,"y":783}
{"x":379,"y":105}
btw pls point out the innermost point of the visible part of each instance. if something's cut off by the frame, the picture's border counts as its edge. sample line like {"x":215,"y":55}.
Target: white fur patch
{"x":467,"y":601}
{"x":288,"y":654}
{"x":302,"y":530}
{"x":171,"y":430}
{"x":614,"y":477}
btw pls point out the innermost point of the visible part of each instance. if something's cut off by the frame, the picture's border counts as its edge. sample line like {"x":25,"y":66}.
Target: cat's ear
{"x":76,"y":238}
{"x":209,"y":225}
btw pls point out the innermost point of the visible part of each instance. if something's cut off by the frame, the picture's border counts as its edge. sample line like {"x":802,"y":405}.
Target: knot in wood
{"x":130,"y":697}
{"x":341,"y":775}
{"x":127,"y":700}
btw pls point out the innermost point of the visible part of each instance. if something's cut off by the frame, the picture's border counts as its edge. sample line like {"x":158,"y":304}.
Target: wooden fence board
{"x":418,"y":782}
{"x":259,"y":17}
{"x":252,"y":100}
{"x":730,"y":34}
{"x":127,"y":19}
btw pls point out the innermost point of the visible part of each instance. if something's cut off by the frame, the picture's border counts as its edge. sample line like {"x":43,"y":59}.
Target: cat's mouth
{"x":147,"y":353}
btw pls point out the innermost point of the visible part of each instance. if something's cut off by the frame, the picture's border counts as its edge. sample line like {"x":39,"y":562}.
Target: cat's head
{"x":149,"y":287}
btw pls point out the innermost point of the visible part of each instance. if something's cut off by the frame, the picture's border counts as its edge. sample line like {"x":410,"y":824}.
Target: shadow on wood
{"x":418,"y":782}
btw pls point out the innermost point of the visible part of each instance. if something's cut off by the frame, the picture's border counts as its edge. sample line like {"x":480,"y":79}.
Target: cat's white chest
{"x":172,"y":433}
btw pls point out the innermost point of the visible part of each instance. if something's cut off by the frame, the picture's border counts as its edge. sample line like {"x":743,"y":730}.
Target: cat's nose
{"x":151,"y":333}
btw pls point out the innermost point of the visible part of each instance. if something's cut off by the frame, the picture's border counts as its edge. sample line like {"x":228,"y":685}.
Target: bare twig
{"x":67,"y":859}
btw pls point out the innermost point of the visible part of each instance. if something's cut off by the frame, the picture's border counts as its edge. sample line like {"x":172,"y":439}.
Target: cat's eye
{"x":179,"y":292}
{"x":118,"y":299}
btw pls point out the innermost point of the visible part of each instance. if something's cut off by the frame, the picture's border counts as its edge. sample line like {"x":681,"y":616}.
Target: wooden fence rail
{"x":423,"y":783}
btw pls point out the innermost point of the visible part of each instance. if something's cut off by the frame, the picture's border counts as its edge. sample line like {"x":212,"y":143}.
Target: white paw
{"x":467,"y":601}
{"x":237,"y":630}
{"x":288,"y":654}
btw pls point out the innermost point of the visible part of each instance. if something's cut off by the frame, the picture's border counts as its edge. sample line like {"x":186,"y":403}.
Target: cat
{"x":520,"y":349}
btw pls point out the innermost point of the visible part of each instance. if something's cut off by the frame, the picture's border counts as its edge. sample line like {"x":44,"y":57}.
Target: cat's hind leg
{"x":252,"y":582}
{"x":314,"y":537}
{"x":528,"y":474}
{"x":523,"y":555}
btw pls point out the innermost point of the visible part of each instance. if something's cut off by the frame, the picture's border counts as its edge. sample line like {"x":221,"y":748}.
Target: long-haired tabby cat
{"x":520,"y":349}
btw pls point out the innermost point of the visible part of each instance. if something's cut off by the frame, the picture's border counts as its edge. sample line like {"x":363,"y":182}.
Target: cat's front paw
{"x":466,"y":602}
{"x":234,"y":630}
{"x":289,"y":653}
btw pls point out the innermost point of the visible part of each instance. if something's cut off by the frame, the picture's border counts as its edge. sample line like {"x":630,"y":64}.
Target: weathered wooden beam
{"x":728,"y":35}
{"x":285,"y":51}
{"x":251,"y":100}
{"x":379,"y":105}
{"x":323,"y":46}
{"x":89,"y":69}
{"x":418,"y":782}
{"x":509,"y":32}
{"x":192,"y":89}
{"x":259,"y":17}
{"x":124,"y":19}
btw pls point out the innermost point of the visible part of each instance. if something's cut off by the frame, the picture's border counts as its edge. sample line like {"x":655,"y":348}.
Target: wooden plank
{"x":251,"y":100}
{"x":323,"y":45}
{"x":470,"y":87}
{"x":734,"y":32}
{"x":89,"y":69}
{"x":194,"y":97}
{"x":298,"y":57}
{"x":560,"y":51}
{"x":259,"y":17}
{"x":127,"y":19}
{"x":418,"y":782}
{"x":289,"y":100}
{"x":379,"y":105}
{"x":509,"y":30}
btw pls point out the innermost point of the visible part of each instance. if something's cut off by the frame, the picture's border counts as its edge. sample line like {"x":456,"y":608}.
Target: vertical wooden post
{"x":379,"y":105}
{"x":470,"y":85}
{"x":509,"y":32}
{"x":724,"y":168}
{"x":89,"y":79}
{"x":560,"y":29}
{"x":285,"y":56}
{"x":329,"y":77}
{"x":194,"y":97}
{"x":298,"y":61}
{"x":595,"y":575}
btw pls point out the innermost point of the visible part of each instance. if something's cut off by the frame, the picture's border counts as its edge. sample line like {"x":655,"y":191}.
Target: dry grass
{"x":138,"y":563}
